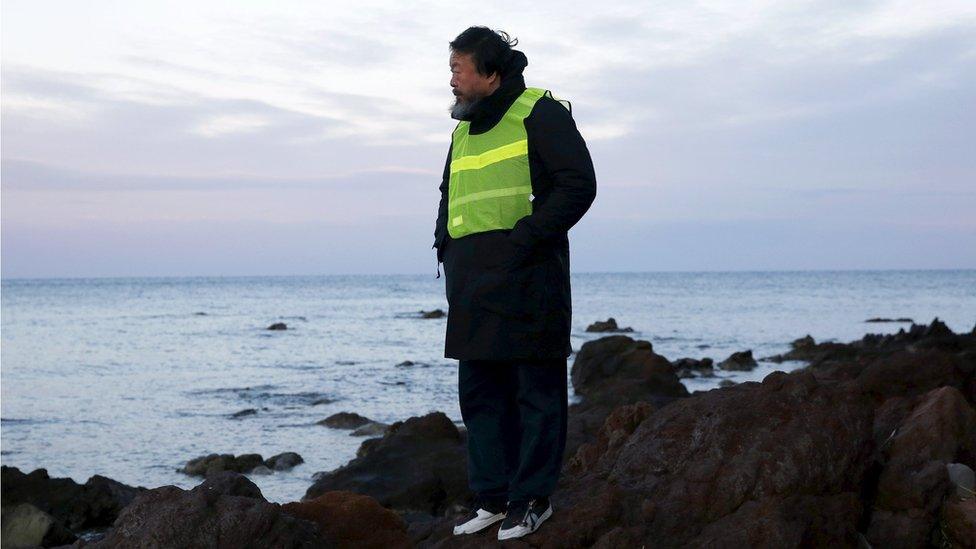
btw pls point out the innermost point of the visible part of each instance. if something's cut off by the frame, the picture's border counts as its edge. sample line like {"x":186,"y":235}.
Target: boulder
{"x":690,"y":367}
{"x":419,"y":465}
{"x":741,"y":361}
{"x":345,"y":420}
{"x":213,"y":463}
{"x":278,"y":326}
{"x":226,"y":510}
{"x":283,"y":461}
{"x":610,"y":325}
{"x":352,"y":520}
{"x":371,"y":429}
{"x":436,"y":313}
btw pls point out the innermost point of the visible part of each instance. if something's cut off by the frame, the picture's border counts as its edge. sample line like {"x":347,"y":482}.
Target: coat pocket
{"x":518,"y":293}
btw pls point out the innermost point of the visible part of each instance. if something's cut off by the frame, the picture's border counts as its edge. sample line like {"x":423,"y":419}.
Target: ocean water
{"x":124,"y":377}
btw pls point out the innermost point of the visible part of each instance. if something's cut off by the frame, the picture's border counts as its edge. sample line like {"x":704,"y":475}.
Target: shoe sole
{"x":515,"y":533}
{"x":461,"y":530}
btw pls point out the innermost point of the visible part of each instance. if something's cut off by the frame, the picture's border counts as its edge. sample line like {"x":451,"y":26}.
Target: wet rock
{"x":24,"y":525}
{"x":283,"y":461}
{"x":436,"y":313}
{"x":405,"y":363}
{"x":213,"y":463}
{"x":610,"y":325}
{"x":880,"y":319}
{"x":418,"y":465}
{"x":73,"y":506}
{"x":245,"y":412}
{"x":345,"y":420}
{"x":726,"y":383}
{"x":741,"y":361}
{"x":959,"y":517}
{"x":690,"y":367}
{"x":352,"y":520}
{"x":371,"y":429}
{"x":226,"y":510}
{"x":804,"y":343}
{"x":278,"y":326}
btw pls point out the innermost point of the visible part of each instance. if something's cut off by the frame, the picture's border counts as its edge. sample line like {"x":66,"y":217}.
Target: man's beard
{"x":461,"y":109}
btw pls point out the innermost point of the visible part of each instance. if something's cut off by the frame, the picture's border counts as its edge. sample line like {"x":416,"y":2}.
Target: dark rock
{"x":690,"y":367}
{"x":726,"y":383}
{"x":283,"y":461}
{"x":804,"y":343}
{"x":352,"y":520}
{"x":914,"y":481}
{"x":74,"y":507}
{"x":24,"y":525}
{"x":405,"y":363}
{"x":345,"y":420}
{"x":245,"y":412}
{"x":879,"y":319}
{"x":214,"y":463}
{"x":226,"y":510}
{"x":741,"y":361}
{"x":610,"y":325}
{"x":418,"y":465}
{"x":278,"y":326}
{"x":959,"y":517}
{"x":436,"y":313}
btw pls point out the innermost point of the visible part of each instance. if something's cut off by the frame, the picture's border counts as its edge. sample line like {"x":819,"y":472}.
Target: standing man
{"x":518,"y":176}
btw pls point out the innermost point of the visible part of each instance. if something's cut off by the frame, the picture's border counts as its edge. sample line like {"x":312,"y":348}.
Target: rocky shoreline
{"x":872,"y":444}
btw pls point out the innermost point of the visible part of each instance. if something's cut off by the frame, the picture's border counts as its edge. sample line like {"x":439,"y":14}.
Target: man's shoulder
{"x":549,"y":114}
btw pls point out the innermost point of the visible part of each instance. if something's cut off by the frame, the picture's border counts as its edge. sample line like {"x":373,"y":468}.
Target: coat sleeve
{"x":553,"y":135}
{"x":440,"y":227}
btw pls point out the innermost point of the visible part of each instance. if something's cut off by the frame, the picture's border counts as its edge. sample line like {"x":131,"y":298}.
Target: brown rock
{"x":352,"y":520}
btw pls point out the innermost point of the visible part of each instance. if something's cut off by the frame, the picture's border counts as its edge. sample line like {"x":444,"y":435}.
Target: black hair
{"x":490,"y":50}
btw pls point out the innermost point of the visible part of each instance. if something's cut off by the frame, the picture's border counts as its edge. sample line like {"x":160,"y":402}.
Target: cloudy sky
{"x":240,"y":138}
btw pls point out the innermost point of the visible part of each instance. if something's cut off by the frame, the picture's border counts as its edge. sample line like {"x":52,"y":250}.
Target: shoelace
{"x":525,"y":517}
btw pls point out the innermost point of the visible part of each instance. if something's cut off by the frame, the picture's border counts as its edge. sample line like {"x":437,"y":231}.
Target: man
{"x":518,"y":176}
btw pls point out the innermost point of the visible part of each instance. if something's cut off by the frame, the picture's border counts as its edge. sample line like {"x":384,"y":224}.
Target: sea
{"x":132,"y":377}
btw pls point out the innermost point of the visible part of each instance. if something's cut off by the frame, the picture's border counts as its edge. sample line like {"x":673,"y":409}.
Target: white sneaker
{"x":524,"y":518}
{"x":483,"y":516}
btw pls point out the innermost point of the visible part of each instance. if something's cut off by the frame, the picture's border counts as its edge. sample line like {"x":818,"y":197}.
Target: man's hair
{"x":490,"y":50}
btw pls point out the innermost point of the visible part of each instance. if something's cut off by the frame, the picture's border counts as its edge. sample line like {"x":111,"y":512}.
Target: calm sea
{"x":124,"y":377}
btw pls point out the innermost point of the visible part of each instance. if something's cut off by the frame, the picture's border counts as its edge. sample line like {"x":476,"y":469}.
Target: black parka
{"x":508,"y":291}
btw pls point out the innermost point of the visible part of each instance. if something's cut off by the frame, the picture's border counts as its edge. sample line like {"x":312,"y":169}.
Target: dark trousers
{"x":515,"y":414}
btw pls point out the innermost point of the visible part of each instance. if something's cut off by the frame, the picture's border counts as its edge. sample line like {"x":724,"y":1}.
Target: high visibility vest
{"x":490,"y":187}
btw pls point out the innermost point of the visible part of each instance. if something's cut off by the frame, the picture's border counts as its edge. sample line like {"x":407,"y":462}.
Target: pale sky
{"x":245,"y":138}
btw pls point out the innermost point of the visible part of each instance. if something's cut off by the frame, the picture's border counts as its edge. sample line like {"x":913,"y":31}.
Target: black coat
{"x":508,"y":291}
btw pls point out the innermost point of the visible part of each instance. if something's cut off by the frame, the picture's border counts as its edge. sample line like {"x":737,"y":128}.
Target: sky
{"x":301,"y":138}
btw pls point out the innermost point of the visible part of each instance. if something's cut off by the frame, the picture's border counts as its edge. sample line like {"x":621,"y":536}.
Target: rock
{"x":610,"y":325}
{"x":614,"y":371}
{"x":879,"y":319}
{"x":690,"y":367}
{"x":283,"y":461}
{"x":261,"y":470}
{"x":245,"y":412}
{"x":373,"y":428}
{"x":959,"y":517}
{"x":741,"y":361}
{"x":278,"y":326}
{"x":914,"y":480}
{"x":214,"y":463}
{"x":436,"y":313}
{"x":726,"y":383}
{"x":962,"y":477}
{"x":226,"y":510}
{"x":352,"y":520}
{"x":418,"y":465}
{"x":27,"y":526}
{"x":345,"y":420}
{"x":804,"y":343}
{"x":405,"y":363}
{"x":73,"y":506}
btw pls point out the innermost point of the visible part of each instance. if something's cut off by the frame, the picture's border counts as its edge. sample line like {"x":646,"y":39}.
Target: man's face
{"x":469,"y":85}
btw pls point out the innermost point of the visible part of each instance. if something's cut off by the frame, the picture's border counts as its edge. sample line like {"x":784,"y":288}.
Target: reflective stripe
{"x":491,"y":193}
{"x":457,"y":220}
{"x":487,"y":158}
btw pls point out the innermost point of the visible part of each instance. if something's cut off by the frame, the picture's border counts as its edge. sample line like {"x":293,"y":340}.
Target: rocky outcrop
{"x":226,"y":510}
{"x":352,"y":520}
{"x":419,"y":465}
{"x":436,"y":313}
{"x":38,"y":506}
{"x":609,"y":325}
{"x":850,"y":450}
{"x":741,"y":361}
{"x":283,"y":461}
{"x":613,"y":371}
{"x":215,"y":463}
{"x":278,"y":326}
{"x":691,"y":367}
{"x":345,"y":420}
